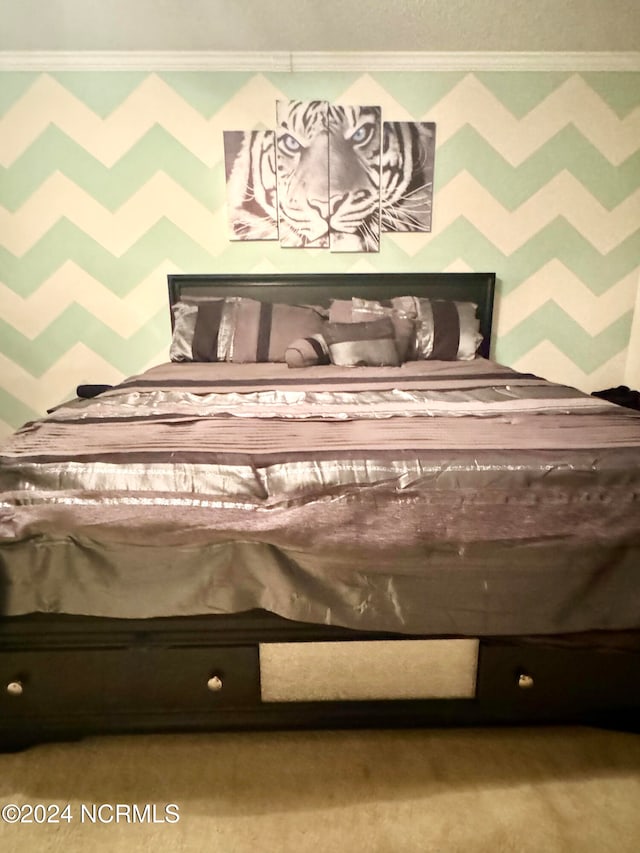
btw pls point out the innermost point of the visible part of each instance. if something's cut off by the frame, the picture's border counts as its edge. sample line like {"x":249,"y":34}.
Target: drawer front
{"x":149,"y":680}
{"x":532,"y":679}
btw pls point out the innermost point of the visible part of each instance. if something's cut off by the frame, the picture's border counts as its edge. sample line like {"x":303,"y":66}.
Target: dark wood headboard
{"x":319,"y":289}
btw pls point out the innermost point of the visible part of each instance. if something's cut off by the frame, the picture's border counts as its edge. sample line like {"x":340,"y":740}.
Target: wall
{"x":113,"y":179}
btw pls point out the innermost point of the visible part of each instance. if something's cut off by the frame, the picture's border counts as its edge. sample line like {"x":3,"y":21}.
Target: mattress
{"x":440,"y":498}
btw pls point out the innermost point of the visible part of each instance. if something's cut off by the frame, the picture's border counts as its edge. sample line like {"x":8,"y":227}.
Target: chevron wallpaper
{"x":109,"y":180}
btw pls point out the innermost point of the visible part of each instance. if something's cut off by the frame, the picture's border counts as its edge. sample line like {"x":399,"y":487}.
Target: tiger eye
{"x":363,"y":134}
{"x":290,"y":143}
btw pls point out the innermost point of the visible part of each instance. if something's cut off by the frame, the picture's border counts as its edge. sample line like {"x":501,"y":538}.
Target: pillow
{"x":360,"y":310}
{"x":187,"y":318}
{"x":245,"y":330}
{"x":305,"y":352}
{"x":371,"y":343}
{"x":184,"y":326}
{"x":445,"y":330}
{"x":262,"y":331}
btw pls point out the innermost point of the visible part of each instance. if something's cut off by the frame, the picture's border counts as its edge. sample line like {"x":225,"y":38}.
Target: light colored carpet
{"x":536,"y":789}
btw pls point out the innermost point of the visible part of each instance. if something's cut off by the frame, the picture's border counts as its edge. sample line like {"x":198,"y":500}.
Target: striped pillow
{"x":191,"y":313}
{"x":209,"y":338}
{"x":245,"y":330}
{"x":444,"y":330}
{"x":362,"y":344}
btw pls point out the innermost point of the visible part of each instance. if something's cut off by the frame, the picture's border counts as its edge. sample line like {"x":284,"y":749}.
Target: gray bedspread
{"x":445,"y":498}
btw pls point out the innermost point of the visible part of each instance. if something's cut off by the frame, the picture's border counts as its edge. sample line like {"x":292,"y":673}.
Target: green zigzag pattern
{"x":207,"y":92}
{"x":66,"y":242}
{"x":551,"y":323}
{"x":157,"y":151}
{"x":461,"y":240}
{"x":14,"y":412}
{"x":14,"y":86}
{"x":567,"y":151}
{"x":77,"y":325}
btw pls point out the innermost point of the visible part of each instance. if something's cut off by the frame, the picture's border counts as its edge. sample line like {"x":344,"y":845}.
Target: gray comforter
{"x":446,"y":498}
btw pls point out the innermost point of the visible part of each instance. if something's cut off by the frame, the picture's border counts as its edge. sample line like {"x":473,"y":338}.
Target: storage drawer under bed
{"x":143,"y":679}
{"x":156,"y":686}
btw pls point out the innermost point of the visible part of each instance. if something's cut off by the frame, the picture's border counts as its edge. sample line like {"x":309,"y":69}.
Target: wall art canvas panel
{"x":354,"y":178}
{"x":408,"y":150}
{"x":302,"y":167}
{"x":252,"y":206}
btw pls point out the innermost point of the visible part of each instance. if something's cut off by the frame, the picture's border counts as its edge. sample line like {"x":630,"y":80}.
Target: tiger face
{"x":328,"y":169}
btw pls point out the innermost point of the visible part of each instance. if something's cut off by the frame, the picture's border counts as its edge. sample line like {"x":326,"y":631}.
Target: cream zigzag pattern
{"x":516,"y":139}
{"x":161,"y":196}
{"x":71,"y":284}
{"x":555,"y":282}
{"x":469,"y":102}
{"x":153,"y":102}
{"x":78,"y":365}
{"x":366,"y":90}
{"x":508,"y":230}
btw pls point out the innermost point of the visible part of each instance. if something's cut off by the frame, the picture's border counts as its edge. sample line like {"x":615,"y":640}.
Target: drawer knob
{"x":214,"y":683}
{"x":15,"y":688}
{"x":525,"y":682}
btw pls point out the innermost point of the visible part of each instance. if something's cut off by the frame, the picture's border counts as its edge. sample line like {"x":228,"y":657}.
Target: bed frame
{"x":64,"y":677}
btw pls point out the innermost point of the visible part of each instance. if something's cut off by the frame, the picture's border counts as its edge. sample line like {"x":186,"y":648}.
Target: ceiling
{"x":320,"y":25}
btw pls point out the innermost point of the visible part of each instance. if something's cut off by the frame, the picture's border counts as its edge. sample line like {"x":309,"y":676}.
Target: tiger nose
{"x":321,"y":207}
{"x":336,"y":201}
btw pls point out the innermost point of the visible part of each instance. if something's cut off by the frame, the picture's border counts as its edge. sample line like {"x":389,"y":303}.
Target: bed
{"x":233,"y":540}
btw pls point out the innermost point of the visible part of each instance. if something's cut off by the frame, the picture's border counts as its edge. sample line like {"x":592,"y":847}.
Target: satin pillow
{"x":371,"y":343}
{"x":444,"y":329}
{"x":360,"y":311}
{"x":241,"y":330}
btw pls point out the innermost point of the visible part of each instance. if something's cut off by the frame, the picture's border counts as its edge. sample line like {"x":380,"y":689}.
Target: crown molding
{"x":143,"y":60}
{"x":117,"y":60}
{"x":466,"y":61}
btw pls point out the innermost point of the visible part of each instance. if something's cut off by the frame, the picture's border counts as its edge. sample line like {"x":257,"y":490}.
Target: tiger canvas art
{"x":302,"y":169}
{"x":250,"y":171}
{"x":329,"y":176}
{"x":354,"y":178}
{"x":406,"y":184}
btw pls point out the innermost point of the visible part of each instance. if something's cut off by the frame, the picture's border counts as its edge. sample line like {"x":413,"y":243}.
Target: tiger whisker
{"x":398,"y":218}
{"x":422,"y":188}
